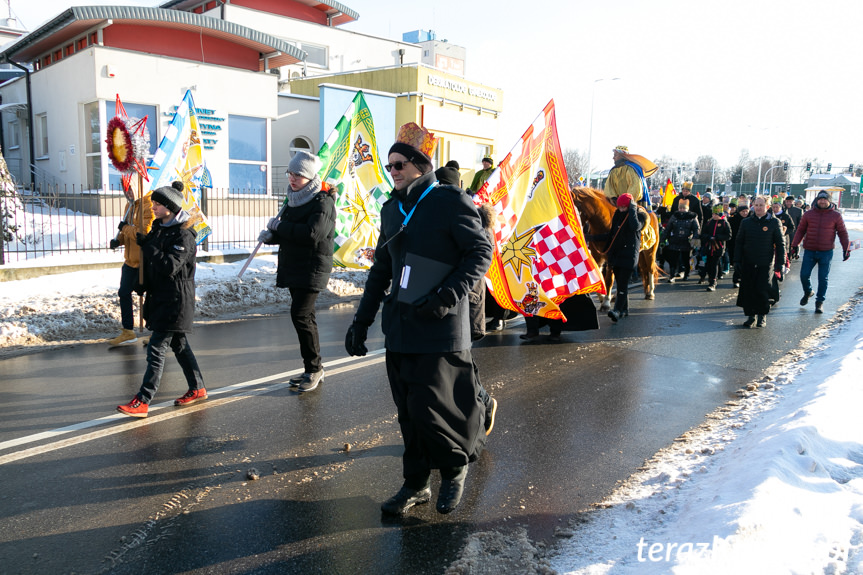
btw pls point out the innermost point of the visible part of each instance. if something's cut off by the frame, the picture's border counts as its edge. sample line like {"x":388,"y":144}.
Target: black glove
{"x":140,"y":239}
{"x":432,"y":306}
{"x":846,"y":255}
{"x":355,"y":340}
{"x":114,"y":243}
{"x":122,"y":224}
{"x":795,"y":251}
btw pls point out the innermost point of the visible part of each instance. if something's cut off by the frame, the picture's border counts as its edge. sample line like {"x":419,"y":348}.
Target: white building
{"x":237,"y":58}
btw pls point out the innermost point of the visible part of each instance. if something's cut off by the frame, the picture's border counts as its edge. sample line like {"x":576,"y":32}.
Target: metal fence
{"x":59,"y":220}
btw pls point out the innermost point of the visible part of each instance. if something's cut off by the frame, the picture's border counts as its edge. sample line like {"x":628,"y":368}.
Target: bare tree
{"x":576,"y":166}
{"x":705,"y":169}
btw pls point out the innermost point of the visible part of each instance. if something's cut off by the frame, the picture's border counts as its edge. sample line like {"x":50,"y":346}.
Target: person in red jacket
{"x":818,"y":230}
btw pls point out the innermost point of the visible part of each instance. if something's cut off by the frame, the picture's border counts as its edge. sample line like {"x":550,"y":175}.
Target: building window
{"x":247,"y":154}
{"x":482,"y":151}
{"x":317,"y":56}
{"x":41,"y":140}
{"x":14,"y":132}
{"x":300,"y":143}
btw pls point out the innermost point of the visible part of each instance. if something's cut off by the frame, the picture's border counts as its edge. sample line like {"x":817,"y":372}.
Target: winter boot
{"x":805,"y":299}
{"x":762,"y":321}
{"x":750,"y":321}
{"x":406,"y":498}
{"x":126,"y":337}
{"x":451,"y":490}
{"x":819,"y":307}
{"x":614,"y":315}
{"x":711,"y":287}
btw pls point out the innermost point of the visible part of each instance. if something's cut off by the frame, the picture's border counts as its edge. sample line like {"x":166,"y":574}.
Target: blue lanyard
{"x":408,"y":216}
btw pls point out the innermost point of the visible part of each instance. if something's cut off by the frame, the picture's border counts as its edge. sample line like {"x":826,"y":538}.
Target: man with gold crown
{"x":628,"y":176}
{"x":430,"y":253}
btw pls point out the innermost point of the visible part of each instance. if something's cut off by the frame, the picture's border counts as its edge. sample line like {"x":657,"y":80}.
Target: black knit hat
{"x":170,"y":196}
{"x":422,"y":161}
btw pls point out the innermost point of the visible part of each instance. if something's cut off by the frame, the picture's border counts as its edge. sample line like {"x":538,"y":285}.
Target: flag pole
{"x":257,"y":247}
{"x":140,"y":249}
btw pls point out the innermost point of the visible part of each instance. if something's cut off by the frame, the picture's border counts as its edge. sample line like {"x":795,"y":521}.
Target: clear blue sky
{"x":777,"y":78}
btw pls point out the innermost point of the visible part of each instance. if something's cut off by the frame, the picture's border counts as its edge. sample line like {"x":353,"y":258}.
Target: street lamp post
{"x":590,"y":137}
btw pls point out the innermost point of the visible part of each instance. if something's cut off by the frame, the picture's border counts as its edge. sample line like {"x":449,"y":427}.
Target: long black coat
{"x":169,"y":275}
{"x":625,"y":237}
{"x":758,"y":251}
{"x":305,"y":235}
{"x":444,"y":227}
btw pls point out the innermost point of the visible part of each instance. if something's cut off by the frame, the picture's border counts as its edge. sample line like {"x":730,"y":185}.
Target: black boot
{"x":762,"y":321}
{"x":749,"y":322}
{"x":451,"y":489}
{"x":406,"y":498}
{"x":819,"y":307}
{"x":614,"y":315}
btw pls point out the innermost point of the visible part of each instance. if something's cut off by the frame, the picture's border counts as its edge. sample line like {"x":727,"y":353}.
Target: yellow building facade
{"x":464,"y":115}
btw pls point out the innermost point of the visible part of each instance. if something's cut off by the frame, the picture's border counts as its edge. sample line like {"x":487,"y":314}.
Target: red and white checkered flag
{"x":562,"y":267}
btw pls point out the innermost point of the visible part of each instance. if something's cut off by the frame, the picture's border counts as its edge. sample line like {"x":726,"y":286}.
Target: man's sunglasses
{"x":397,"y":166}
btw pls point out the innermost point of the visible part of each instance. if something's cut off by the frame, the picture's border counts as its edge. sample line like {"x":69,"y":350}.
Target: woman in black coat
{"x":625,"y":238}
{"x":759,"y":252}
{"x":305,"y":232}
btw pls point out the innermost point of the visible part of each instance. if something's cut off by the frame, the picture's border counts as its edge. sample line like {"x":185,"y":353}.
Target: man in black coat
{"x":759,"y":253}
{"x":168,"y":256}
{"x":432,"y":247}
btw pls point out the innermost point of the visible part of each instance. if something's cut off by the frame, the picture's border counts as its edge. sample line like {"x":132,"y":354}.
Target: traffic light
{"x":808,"y":166}
{"x":678,"y":169}
{"x":851,"y":168}
{"x":830,"y":165}
{"x":785,"y":167}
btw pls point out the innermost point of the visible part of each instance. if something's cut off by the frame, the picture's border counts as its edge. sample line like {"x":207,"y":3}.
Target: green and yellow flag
{"x":352,"y":166}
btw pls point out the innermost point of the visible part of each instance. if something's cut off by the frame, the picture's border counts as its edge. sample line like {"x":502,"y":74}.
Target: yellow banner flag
{"x":541,"y":256}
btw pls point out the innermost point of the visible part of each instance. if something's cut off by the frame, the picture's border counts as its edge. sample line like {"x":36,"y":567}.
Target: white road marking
{"x":239,"y":390}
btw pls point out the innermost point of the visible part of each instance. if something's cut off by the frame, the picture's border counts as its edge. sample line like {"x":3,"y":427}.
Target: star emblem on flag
{"x":357,"y":207}
{"x":517,"y":253}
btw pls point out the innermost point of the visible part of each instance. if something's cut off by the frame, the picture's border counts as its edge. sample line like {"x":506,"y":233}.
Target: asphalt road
{"x":86,"y":490}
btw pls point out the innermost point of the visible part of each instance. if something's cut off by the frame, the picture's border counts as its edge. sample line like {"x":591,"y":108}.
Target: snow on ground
{"x":83,"y":306}
{"x":770,"y":483}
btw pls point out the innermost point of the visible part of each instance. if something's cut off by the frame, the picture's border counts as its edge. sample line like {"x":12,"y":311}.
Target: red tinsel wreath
{"x":121,"y":152}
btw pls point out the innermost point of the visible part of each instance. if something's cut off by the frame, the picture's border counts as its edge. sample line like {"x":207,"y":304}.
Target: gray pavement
{"x":88,"y":491}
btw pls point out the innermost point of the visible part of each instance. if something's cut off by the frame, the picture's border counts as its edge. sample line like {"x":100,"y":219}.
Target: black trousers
{"x":303,"y":318}
{"x":678,"y":260}
{"x":440,"y":413}
{"x":712,"y":267}
{"x":621,"y":280}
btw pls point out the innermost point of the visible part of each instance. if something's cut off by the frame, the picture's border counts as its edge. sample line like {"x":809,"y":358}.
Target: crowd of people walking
{"x":714,"y":235}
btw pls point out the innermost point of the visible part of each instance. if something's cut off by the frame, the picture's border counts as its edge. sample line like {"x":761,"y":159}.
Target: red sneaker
{"x":191,"y":397}
{"x":135,"y":408}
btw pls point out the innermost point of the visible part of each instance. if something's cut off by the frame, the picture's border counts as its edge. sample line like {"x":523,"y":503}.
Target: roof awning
{"x":336,"y":11}
{"x":79,"y":19}
{"x":14,"y":107}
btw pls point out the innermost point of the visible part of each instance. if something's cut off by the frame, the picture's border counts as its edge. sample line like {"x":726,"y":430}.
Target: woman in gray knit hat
{"x":305,"y":233}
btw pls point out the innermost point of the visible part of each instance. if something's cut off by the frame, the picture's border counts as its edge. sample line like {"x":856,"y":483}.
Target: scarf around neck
{"x":305,"y":194}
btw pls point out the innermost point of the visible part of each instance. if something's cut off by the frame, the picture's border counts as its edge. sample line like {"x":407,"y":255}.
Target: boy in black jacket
{"x":168,"y":257}
{"x":714,"y":233}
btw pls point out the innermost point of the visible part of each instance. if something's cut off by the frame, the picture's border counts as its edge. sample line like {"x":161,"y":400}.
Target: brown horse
{"x":596,"y":212}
